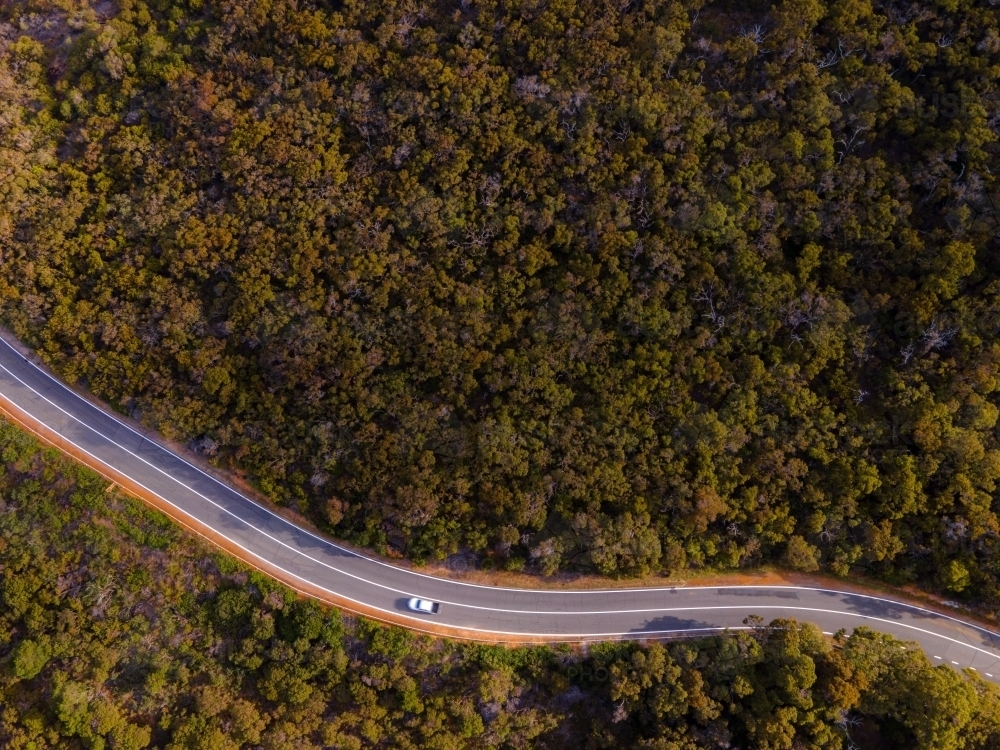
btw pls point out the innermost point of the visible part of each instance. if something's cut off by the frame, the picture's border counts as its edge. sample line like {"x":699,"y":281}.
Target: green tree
{"x":30,"y":658}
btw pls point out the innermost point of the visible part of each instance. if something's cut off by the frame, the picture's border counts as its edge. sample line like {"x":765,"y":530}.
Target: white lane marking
{"x":954,"y":662}
{"x":388,"y":588}
{"x":352,"y":553}
{"x":937,"y":657}
{"x":529,"y":634}
{"x":505,"y":632}
{"x":825,"y":632}
{"x":299,"y":529}
{"x":988,"y":674}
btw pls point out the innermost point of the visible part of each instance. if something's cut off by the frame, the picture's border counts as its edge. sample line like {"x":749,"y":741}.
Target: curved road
{"x":318,"y":567}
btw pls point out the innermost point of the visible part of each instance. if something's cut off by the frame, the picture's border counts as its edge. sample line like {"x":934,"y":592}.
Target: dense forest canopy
{"x":119,"y":631}
{"x":572,"y":284}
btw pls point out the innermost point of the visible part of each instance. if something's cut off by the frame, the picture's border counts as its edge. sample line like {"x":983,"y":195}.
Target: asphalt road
{"x":319,"y":566}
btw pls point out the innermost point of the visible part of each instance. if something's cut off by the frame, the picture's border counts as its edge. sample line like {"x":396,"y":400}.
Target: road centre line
{"x":421,"y":575}
{"x":567,"y":636}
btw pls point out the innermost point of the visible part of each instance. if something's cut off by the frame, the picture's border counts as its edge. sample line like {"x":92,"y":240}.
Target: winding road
{"x":321,"y":568}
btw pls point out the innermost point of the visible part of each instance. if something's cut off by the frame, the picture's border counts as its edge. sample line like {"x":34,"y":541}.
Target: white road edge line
{"x":535,"y":635}
{"x":393,"y":590}
{"x":351,"y":552}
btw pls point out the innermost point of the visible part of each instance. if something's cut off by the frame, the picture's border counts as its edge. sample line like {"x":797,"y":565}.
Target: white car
{"x":423,"y":606}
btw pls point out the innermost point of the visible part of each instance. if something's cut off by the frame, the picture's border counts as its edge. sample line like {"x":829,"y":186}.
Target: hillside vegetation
{"x":119,"y":631}
{"x":622,"y":287}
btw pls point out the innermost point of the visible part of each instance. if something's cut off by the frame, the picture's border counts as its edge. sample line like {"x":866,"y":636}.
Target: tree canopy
{"x":576,"y":284}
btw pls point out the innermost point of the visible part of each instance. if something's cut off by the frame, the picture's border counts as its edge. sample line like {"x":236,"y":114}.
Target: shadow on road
{"x":766,"y":593}
{"x":669,"y":625}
